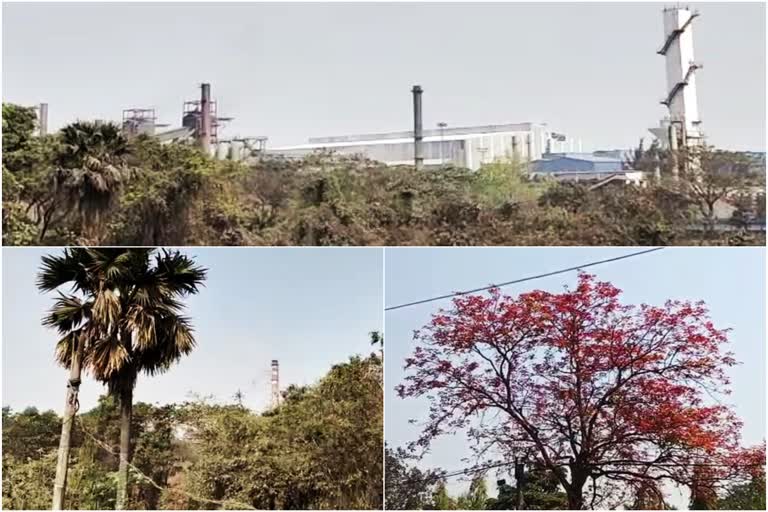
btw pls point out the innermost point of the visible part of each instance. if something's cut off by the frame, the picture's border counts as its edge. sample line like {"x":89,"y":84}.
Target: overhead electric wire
{"x":524,"y":279}
{"x":477,"y":469}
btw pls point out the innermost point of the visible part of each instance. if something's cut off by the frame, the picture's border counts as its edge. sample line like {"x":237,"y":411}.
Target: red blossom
{"x":580,"y":379}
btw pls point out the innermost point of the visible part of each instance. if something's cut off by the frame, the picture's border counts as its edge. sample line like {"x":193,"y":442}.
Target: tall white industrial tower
{"x":275,"y":384}
{"x":683,"y":124}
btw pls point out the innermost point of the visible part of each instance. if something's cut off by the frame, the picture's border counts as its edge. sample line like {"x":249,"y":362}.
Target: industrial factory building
{"x":468,"y":147}
{"x":591,"y":167}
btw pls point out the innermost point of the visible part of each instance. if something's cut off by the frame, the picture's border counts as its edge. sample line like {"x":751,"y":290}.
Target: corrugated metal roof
{"x":463,"y":130}
{"x":586,"y":157}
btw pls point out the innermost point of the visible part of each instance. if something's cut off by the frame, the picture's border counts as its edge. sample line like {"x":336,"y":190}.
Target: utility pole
{"x":520,"y":480}
{"x":70,"y":410}
{"x":442,"y":127}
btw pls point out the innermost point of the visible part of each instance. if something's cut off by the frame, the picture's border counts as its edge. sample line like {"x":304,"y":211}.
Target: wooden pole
{"x":70,"y":410}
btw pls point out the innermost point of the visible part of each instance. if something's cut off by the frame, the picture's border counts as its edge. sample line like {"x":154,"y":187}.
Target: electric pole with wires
{"x":520,"y":481}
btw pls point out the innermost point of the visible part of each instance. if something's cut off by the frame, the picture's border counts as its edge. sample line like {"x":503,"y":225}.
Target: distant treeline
{"x":87,"y":184}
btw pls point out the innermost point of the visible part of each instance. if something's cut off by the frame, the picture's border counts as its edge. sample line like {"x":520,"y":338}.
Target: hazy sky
{"x":290,"y":71}
{"x":308,"y":308}
{"x":730,"y":280}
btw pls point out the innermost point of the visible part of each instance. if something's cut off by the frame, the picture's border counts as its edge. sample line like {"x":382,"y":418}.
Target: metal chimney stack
{"x":418,"y":132}
{"x":205,"y":118}
{"x":275,"y":383}
{"x":528,"y":148}
{"x":43,"y":119}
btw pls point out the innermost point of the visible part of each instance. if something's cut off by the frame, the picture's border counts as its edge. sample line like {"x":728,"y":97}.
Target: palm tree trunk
{"x":126,"y":411}
{"x":70,"y":409}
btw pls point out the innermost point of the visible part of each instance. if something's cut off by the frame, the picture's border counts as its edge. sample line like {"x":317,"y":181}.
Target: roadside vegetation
{"x":321,"y":448}
{"x":88,"y":185}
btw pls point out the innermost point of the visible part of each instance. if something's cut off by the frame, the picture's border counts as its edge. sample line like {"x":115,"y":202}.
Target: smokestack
{"x":275,"y":383}
{"x":678,"y":52}
{"x":205,"y":118}
{"x":418,"y":133}
{"x":43,"y":119}
{"x":528,"y":147}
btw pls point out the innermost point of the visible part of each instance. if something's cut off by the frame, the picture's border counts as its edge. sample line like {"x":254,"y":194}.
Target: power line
{"x":524,"y":279}
{"x":479,"y":469}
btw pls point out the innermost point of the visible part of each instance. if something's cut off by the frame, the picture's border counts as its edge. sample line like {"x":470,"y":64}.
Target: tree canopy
{"x":592,"y":390}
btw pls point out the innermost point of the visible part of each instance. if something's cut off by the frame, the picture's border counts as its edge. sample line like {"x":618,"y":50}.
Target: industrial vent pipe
{"x":205,"y":118}
{"x":43,"y":119}
{"x":418,"y":132}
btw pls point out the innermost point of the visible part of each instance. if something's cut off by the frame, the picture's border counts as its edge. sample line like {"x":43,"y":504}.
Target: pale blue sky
{"x":730,"y":280}
{"x":292,"y":70}
{"x":308,"y":308}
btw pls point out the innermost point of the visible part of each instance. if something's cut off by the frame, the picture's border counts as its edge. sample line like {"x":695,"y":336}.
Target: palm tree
{"x":128,"y":321}
{"x":91,"y":169}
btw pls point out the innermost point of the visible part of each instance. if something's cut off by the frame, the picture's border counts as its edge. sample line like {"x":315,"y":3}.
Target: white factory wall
{"x":468,"y":150}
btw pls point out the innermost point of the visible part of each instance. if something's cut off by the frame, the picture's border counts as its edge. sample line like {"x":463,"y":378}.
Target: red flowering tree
{"x":596,"y":391}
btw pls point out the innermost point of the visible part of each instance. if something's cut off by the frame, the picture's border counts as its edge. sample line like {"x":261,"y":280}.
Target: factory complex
{"x":545,"y":152}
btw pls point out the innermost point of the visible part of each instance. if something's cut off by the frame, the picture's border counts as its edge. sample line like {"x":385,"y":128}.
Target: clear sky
{"x":308,"y":308}
{"x":730,"y":280}
{"x":292,"y":70}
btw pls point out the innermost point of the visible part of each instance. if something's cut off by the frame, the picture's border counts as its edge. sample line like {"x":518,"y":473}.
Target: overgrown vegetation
{"x":320,"y":449}
{"x":88,"y":185}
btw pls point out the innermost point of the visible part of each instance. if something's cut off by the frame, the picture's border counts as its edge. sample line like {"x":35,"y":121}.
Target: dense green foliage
{"x":541,"y":492}
{"x":87,"y":184}
{"x":406,"y":486}
{"x":321,"y":448}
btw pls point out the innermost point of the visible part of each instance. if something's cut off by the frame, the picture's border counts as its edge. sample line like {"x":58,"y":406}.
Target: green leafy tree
{"x":476,"y":497}
{"x":711,"y":176}
{"x":19,"y":124}
{"x":29,"y":434}
{"x":320,"y":449}
{"x":441,"y":500}
{"x":406,"y":486}
{"x":541,"y":492}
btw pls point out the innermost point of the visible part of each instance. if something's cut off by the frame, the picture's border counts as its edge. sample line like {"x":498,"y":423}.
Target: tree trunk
{"x":70,"y":409}
{"x":576,"y":490}
{"x":576,"y":498}
{"x":126,"y":411}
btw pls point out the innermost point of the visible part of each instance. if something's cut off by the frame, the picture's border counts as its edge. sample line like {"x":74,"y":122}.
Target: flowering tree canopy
{"x":590,"y":388}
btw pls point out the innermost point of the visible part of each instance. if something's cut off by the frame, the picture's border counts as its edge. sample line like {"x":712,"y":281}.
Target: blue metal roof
{"x":576,"y":162}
